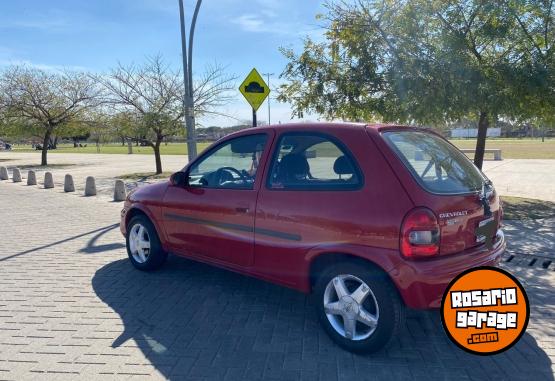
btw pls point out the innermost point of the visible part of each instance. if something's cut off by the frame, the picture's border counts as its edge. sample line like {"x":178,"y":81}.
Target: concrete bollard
{"x":16,"y":175}
{"x":31,"y":178}
{"x":119,"y":191}
{"x":69,"y":186}
{"x":4,"y":173}
{"x":90,"y":186}
{"x":48,"y":180}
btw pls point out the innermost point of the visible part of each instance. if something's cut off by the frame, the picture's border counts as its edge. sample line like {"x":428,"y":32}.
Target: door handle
{"x":242,"y":209}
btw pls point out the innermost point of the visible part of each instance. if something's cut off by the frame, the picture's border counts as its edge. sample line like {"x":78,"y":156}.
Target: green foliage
{"x":35,"y":102}
{"x":426,"y":61}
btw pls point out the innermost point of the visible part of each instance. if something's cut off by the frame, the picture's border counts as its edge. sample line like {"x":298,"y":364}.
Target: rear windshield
{"x":437,"y":165}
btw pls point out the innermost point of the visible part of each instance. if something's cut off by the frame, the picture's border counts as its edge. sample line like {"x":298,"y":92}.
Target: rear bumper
{"x":422,"y":283}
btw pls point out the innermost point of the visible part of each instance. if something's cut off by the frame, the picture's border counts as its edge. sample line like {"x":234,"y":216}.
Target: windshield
{"x":437,"y":165}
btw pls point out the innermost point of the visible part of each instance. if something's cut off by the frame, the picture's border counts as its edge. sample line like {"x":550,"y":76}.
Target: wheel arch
{"x":320,"y":261}
{"x":133,"y":212}
{"x":137,"y":210}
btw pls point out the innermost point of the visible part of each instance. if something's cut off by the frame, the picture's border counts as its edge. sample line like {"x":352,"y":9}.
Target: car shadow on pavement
{"x":93,"y":246}
{"x":90,"y":248}
{"x":195,"y":321}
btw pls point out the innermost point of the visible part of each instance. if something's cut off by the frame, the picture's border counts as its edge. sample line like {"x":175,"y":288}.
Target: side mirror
{"x":179,"y":179}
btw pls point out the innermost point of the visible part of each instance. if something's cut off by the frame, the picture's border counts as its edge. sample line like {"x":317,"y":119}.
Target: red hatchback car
{"x":368,"y":218}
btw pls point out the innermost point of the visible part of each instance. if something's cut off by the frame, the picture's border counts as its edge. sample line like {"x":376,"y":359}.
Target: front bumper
{"x":422,"y":283}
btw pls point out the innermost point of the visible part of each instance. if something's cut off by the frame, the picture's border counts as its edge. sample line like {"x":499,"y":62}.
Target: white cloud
{"x":259,"y":23}
{"x":250,"y":23}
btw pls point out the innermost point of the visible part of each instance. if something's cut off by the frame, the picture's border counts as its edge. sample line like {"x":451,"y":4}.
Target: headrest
{"x":343,"y":166}
{"x":294,"y":164}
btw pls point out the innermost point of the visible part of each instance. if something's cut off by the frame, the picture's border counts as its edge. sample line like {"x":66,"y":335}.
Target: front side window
{"x":312,"y":161}
{"x":437,"y":165}
{"x":233,"y":165}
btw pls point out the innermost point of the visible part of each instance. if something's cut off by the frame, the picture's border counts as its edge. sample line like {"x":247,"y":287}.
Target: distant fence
{"x":473,"y":132}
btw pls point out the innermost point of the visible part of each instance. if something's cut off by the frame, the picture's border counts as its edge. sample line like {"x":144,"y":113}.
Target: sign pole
{"x":253,"y":117}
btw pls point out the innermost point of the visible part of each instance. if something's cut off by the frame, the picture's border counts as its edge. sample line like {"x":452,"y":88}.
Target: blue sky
{"x":95,"y":35}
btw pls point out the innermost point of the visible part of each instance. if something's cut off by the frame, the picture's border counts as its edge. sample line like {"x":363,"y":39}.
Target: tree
{"x":124,"y":126}
{"x":420,"y":61}
{"x":45,"y":101}
{"x":535,"y":28}
{"x":155,"y":94}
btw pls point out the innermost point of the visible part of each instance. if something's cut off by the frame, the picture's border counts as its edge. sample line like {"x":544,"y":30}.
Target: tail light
{"x":419,"y":234}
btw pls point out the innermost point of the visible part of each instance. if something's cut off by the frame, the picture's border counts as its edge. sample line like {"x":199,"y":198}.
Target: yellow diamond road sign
{"x":254,"y":89}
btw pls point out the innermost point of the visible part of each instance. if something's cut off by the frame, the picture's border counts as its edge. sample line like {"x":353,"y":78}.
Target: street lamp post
{"x":188,"y":102}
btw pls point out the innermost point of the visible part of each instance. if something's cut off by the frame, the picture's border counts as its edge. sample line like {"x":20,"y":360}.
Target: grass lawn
{"x":514,"y":148}
{"x":511,"y":148}
{"x":170,"y":149}
{"x":519,"y":208}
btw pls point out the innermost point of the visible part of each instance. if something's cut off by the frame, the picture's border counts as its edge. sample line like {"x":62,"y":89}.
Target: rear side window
{"x":437,"y":165}
{"x":313,"y":162}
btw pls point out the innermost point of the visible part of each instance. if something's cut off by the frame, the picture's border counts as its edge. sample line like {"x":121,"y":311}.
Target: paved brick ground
{"x":72,"y":307}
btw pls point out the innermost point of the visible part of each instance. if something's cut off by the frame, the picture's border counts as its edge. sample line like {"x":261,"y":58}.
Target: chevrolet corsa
{"x":370,"y":219}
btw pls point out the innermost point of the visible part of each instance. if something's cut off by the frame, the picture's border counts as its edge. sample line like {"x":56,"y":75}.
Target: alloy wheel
{"x":139,"y":243}
{"x":351,"y":307}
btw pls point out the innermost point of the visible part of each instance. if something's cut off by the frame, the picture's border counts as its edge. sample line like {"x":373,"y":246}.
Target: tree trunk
{"x":123,"y":141}
{"x":45,"y":143}
{"x":156,"y":148}
{"x":483,"y":124}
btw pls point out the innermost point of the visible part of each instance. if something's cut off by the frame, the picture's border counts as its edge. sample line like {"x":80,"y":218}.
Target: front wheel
{"x":358,"y":307}
{"x":143,"y":245}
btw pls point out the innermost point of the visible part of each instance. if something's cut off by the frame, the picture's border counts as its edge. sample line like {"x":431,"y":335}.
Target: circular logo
{"x":485,"y":310}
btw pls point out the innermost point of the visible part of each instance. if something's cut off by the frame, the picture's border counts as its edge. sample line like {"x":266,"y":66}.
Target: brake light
{"x":419,"y":234}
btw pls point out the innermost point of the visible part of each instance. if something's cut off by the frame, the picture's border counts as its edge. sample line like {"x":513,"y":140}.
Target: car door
{"x":212,"y":216}
{"x":315,"y":198}
{"x":312,"y":190}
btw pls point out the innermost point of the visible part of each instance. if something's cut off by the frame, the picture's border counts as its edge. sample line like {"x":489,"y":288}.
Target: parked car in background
{"x":370,"y":219}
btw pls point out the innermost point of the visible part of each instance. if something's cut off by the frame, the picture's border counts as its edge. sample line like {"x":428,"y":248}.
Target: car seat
{"x":293,"y":168}
{"x":343,"y":166}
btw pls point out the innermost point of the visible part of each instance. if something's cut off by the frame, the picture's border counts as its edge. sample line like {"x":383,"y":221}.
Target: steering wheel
{"x":231,"y":170}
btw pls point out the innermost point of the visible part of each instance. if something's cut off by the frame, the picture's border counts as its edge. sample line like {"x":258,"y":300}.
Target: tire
{"x":143,"y":258}
{"x":382,"y":314}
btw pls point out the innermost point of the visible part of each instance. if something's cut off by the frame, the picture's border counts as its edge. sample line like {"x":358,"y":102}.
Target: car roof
{"x":319,"y":126}
{"x":329,"y":127}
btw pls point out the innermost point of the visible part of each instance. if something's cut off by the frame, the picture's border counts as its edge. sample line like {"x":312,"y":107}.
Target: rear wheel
{"x":143,"y":245}
{"x":358,"y":306}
